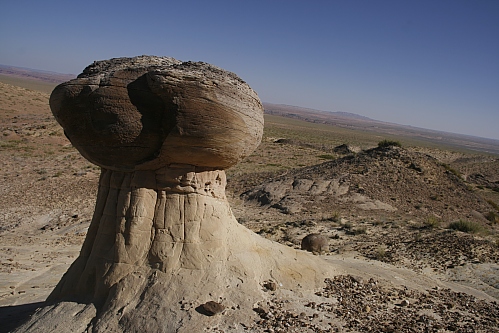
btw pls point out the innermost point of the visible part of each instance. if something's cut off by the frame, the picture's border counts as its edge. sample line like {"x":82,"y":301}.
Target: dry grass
{"x":467,"y":226}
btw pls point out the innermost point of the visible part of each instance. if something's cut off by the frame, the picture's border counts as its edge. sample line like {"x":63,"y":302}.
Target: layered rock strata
{"x":163,"y":240}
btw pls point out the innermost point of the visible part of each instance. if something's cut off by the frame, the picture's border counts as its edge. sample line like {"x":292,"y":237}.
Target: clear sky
{"x":432,"y":64}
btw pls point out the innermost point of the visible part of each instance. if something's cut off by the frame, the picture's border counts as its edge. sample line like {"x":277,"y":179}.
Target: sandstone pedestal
{"x":163,"y":240}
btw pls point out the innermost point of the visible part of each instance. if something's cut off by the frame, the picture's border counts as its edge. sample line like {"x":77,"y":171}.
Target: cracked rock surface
{"x":147,"y":112}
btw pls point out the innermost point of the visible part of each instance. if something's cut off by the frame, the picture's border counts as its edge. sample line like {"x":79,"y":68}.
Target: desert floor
{"x":403,"y":269}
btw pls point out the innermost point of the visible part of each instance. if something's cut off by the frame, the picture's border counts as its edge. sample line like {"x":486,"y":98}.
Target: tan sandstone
{"x":163,"y":240}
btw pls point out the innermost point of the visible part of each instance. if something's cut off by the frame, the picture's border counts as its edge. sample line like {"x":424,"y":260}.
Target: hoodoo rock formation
{"x":163,"y":240}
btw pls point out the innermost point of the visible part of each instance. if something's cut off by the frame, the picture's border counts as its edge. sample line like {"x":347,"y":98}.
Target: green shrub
{"x":389,"y":143}
{"x":466,"y":226}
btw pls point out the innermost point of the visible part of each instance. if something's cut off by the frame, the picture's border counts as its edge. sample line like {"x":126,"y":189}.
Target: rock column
{"x":163,"y":240}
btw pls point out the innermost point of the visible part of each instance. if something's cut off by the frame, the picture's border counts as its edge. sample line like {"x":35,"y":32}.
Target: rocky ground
{"x":352,"y":304}
{"x":386,"y":213}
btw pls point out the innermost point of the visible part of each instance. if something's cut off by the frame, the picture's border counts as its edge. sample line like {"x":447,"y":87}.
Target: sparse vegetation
{"x":10,"y":144}
{"x":347,"y":225}
{"x":451,"y":170}
{"x":380,"y":253}
{"x":466,"y":226}
{"x":432,"y":222}
{"x":326,"y":157}
{"x":492,"y":217}
{"x":334,"y":217}
{"x":494,"y":205}
{"x":389,"y":143}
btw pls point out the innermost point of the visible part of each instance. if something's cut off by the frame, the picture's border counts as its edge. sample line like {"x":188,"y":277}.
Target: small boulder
{"x":270,"y":285}
{"x":211,"y":308}
{"x":404,"y":303}
{"x":315,"y":243}
{"x":345,"y":149}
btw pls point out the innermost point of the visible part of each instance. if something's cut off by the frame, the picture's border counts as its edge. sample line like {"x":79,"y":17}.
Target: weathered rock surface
{"x":163,"y":240}
{"x":146,"y":112}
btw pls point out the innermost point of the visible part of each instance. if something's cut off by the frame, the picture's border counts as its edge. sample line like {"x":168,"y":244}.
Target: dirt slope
{"x":389,"y":181}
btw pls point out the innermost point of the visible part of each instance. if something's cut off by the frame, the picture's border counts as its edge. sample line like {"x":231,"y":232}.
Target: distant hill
{"x":45,"y":81}
{"x":35,"y":74}
{"x":358,"y":122}
{"x":283,"y":109}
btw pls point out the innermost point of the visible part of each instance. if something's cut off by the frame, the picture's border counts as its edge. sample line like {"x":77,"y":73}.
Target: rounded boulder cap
{"x":147,"y":112}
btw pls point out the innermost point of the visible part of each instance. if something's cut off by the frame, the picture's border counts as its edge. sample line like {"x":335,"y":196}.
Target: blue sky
{"x":431,"y":64}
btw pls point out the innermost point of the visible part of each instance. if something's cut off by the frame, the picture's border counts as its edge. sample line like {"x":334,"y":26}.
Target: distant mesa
{"x":35,"y":74}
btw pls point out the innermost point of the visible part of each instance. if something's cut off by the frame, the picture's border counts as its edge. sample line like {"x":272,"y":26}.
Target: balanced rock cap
{"x":148,"y":112}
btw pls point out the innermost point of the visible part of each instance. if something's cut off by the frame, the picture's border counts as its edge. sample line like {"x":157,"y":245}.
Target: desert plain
{"x":412,"y":224}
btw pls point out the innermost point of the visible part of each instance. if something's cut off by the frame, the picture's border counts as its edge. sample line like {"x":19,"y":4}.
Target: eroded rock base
{"x":161,"y":244}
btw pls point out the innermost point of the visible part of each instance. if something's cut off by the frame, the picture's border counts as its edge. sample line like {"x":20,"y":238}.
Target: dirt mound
{"x":384,"y":181}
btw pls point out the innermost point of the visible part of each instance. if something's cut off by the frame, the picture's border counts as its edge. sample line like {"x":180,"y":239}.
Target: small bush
{"x":389,"y":143}
{"x":493,"y":204}
{"x":432,"y":222}
{"x":380,"y":253}
{"x":347,"y":225}
{"x":451,"y":170}
{"x":466,"y":226}
{"x":334,"y":217}
{"x":492,"y":217}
